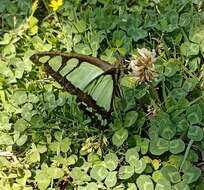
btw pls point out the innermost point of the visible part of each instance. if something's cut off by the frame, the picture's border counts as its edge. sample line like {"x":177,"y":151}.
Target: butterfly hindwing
{"x":89,"y":78}
{"x":102,"y":91}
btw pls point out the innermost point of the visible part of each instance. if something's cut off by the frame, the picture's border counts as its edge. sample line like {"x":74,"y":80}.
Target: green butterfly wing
{"x":89,"y":78}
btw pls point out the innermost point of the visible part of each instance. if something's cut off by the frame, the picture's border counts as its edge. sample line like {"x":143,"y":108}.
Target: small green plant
{"x":156,"y":138}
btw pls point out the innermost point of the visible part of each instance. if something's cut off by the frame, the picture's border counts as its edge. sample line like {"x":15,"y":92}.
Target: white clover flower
{"x":142,"y":67}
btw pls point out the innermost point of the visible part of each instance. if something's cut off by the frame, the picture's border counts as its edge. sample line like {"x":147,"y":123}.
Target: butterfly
{"x":95,"y":82}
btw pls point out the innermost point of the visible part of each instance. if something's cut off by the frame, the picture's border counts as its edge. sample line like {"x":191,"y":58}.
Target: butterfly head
{"x":124,"y":65}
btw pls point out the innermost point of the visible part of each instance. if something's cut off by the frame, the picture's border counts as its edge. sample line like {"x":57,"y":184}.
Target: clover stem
{"x":186,"y":154}
{"x":163,"y":90}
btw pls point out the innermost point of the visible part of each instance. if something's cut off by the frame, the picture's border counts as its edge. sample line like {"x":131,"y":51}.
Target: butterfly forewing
{"x":44,"y":59}
{"x":83,"y":75}
{"x":69,"y":67}
{"x":89,"y":78}
{"x":55,"y":63}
